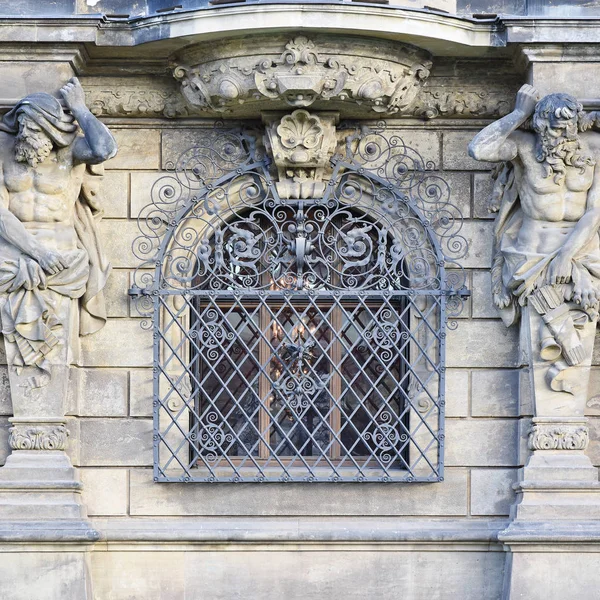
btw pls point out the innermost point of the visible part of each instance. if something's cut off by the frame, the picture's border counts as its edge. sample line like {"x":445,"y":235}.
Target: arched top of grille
{"x":385,"y":222}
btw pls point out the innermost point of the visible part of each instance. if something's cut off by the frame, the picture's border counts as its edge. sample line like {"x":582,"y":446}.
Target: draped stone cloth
{"x":28,"y":316}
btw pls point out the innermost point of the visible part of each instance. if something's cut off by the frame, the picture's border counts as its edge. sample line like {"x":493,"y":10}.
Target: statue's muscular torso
{"x":547,"y":204}
{"x":42,"y":198}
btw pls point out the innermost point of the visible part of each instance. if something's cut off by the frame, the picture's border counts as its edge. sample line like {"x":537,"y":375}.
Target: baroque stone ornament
{"x":52,"y":268}
{"x":300,"y":72}
{"x":301,"y":145}
{"x":549,"y":436}
{"x":38,"y":437}
{"x":547,"y":250}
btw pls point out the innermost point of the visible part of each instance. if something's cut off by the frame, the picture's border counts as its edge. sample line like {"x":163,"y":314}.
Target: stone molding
{"x":558,"y":436}
{"x":300,"y":72}
{"x":35,"y":436}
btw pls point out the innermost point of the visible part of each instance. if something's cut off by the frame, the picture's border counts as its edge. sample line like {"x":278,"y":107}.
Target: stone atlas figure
{"x":546,"y":262}
{"x":52,"y":270}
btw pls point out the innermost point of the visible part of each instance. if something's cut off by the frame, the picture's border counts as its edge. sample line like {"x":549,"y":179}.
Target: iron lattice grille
{"x":300,"y":340}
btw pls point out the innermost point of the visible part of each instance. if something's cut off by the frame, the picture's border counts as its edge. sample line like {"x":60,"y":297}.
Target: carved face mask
{"x":32,"y":145}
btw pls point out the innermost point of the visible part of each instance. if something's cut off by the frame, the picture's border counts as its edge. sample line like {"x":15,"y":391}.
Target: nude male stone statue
{"x":52,"y":270}
{"x":547,"y":194}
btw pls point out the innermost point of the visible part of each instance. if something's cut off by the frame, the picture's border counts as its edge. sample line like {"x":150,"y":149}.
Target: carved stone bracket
{"x":301,"y":145}
{"x":551,"y":435}
{"x":37,"y":436}
{"x":383,"y":77}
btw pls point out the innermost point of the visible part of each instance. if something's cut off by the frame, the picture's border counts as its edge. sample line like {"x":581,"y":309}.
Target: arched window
{"x":298,"y":339}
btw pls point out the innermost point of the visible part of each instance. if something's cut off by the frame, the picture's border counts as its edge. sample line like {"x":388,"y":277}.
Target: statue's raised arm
{"x":98,"y":144}
{"x":494,"y":143}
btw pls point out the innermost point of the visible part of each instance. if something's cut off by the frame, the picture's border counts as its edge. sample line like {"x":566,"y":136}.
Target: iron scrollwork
{"x":312,"y":329}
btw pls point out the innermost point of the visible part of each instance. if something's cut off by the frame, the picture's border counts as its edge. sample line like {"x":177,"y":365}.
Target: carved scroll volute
{"x":301,"y":144}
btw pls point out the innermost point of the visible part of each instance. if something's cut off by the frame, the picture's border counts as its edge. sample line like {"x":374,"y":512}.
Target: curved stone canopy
{"x":349,"y":74}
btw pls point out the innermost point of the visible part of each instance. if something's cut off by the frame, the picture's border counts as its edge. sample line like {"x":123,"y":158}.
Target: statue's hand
{"x":559,"y":270}
{"x":73,"y":94}
{"x":527,"y":98}
{"x":51,"y":261}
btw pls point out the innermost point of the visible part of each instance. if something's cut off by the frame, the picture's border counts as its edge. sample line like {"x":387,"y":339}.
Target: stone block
{"x":481,"y":295}
{"x":455,"y":152}
{"x":426,"y":143}
{"x":482,"y":343}
{"x":457,"y":393}
{"x":176,"y":141}
{"x":45,"y":575}
{"x":482,"y":190}
{"x":356,"y":575}
{"x":4,"y":447}
{"x":120,"y":343}
{"x":460,"y":191}
{"x":5,"y":398}
{"x":141,"y":190}
{"x":116,"y":442}
{"x":592,"y":407}
{"x":495,"y":393}
{"x":481,"y":442}
{"x":103,"y":393}
{"x":115,"y":293}
{"x":492,"y":493}
{"x":118,"y":236}
{"x":104,"y":491}
{"x":73,"y":448}
{"x":152,"y":499}
{"x":479,"y":235}
{"x":114,"y":194}
{"x":138,"y":149}
{"x":140,"y":392}
{"x":593,"y":450}
{"x":133,"y":575}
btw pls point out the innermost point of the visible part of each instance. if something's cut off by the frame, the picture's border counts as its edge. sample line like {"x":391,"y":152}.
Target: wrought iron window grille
{"x":299,"y":339}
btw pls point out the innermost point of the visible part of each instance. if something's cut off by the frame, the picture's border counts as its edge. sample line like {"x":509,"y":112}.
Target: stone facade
{"x":509,"y":519}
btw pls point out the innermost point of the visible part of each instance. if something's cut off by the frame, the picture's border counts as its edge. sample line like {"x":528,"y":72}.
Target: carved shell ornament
{"x":328,"y":72}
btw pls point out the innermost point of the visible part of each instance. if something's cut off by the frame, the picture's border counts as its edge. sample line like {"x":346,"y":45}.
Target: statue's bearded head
{"x":32,"y":145}
{"x":556,"y":121}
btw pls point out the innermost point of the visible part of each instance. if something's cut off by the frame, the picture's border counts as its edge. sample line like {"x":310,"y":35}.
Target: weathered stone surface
{"x":118,"y":237}
{"x":593,"y":450}
{"x":103,"y":393}
{"x":387,"y":575}
{"x":140,"y":392}
{"x":4,"y":447}
{"x":495,"y":393}
{"x":121,"y":343}
{"x":482,"y":189}
{"x":117,"y":299}
{"x":481,"y":293}
{"x":455,"y":156}
{"x":116,"y":442}
{"x":457,"y":393}
{"x":460,"y":191}
{"x":481,"y":442}
{"x":105,"y":491}
{"x":141,"y":188}
{"x":149,"y":498}
{"x":491,"y":491}
{"x":138,"y":149}
{"x":149,"y":574}
{"x":481,"y":343}
{"x":48,"y":575}
{"x":478,"y":234}
{"x":5,"y":398}
{"x":115,"y":194}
